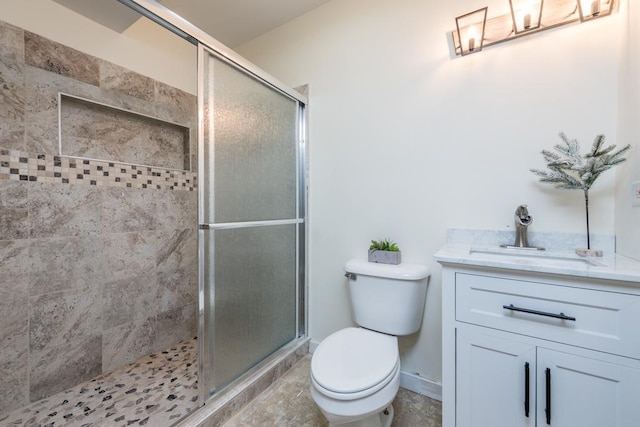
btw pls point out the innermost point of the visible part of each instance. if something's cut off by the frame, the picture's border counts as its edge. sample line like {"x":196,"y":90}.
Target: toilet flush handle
{"x":351,"y":276}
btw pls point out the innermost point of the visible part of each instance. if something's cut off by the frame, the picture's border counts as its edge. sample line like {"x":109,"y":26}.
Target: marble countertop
{"x":610,"y":266}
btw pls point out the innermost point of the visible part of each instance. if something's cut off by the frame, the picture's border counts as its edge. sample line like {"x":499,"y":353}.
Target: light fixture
{"x":474,"y":31}
{"x":591,"y":9}
{"x":526,"y":15}
{"x":470,"y":31}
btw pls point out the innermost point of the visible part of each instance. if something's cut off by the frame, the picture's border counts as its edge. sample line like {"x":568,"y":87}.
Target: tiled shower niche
{"x":93,"y":130}
{"x":98,"y":253}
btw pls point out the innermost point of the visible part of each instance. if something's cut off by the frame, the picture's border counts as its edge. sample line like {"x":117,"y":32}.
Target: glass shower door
{"x":251,"y":220}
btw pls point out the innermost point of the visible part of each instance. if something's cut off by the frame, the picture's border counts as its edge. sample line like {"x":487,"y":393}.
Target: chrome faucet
{"x":522,"y":220}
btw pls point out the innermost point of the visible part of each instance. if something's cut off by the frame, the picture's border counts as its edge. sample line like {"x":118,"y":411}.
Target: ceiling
{"x":232,"y":22}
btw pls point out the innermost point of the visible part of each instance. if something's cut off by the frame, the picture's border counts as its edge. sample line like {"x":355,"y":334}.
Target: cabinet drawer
{"x":604,"y":321}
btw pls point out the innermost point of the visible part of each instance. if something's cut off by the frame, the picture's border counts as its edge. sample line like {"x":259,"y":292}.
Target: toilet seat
{"x":354,"y":362}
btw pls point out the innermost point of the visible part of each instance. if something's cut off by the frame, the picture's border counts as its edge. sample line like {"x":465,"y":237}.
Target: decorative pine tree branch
{"x":568,"y":169}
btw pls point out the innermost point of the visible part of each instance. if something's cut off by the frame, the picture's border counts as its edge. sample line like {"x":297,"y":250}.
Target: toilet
{"x":355,"y":372}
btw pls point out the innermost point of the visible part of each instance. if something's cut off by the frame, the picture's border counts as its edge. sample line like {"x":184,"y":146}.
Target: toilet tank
{"x":387,"y":298}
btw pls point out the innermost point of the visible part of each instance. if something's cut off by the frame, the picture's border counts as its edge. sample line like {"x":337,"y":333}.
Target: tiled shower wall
{"x":98,"y":261}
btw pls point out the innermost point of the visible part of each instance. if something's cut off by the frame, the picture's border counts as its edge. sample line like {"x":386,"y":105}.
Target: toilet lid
{"x":354,"y":359}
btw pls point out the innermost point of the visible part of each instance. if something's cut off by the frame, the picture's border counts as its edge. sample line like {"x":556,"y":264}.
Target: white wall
{"x":628,"y":217}
{"x":406,"y":141}
{"x":145,"y":47}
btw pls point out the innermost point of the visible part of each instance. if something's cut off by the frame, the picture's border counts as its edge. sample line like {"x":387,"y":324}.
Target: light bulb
{"x":472,"y":34}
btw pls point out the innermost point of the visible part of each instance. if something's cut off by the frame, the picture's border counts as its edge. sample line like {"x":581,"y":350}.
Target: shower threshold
{"x":230,"y":400}
{"x":157,"y":390}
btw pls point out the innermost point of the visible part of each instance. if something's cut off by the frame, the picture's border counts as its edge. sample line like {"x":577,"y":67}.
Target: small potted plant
{"x":384,"y":251}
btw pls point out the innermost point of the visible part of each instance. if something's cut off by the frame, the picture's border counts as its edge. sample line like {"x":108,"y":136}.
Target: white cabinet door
{"x":491,"y":377}
{"x":586,"y":392}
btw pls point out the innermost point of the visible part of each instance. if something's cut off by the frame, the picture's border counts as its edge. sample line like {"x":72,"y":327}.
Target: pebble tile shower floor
{"x":161,"y":388}
{"x":156,"y":391}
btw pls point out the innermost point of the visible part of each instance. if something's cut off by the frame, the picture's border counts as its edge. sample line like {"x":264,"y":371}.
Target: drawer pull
{"x":539,"y":313}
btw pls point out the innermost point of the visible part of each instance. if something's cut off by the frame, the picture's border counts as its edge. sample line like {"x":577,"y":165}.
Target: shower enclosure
{"x":102,"y":290}
{"x":251,"y":219}
{"x":251,"y":209}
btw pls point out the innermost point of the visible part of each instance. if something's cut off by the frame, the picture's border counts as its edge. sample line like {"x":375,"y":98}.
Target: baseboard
{"x":409,"y":381}
{"x":420,"y":385}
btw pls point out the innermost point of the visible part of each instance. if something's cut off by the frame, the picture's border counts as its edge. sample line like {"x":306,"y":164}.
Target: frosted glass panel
{"x":254,"y":132}
{"x":252,"y":273}
{"x":254,"y":298}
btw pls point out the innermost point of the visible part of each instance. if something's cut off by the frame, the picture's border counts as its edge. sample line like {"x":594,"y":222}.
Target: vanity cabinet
{"x":501,"y":381}
{"x":535,"y":349}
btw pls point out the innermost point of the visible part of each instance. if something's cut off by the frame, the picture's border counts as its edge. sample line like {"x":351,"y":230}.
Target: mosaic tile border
{"x":22,"y":166}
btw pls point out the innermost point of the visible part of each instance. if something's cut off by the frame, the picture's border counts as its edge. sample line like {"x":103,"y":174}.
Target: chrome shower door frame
{"x":179,"y":26}
{"x":206,"y":205}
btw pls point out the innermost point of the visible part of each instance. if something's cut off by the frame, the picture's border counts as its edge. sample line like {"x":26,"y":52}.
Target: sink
{"x":526,"y":256}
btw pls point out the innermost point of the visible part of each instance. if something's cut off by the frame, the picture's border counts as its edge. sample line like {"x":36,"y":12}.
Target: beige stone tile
{"x":11,"y":42}
{"x":56,"y":368}
{"x":128,"y":299}
{"x":127,"y":255}
{"x":128,"y":210}
{"x":177,"y":324}
{"x":57,"y":210}
{"x":14,"y":383}
{"x":14,"y":215}
{"x":126,"y":102}
{"x":413,"y":409}
{"x":177,"y":249}
{"x":15,"y":269}
{"x":175,"y":105}
{"x":84,"y":147}
{"x":64,"y":263}
{"x":79,"y":119}
{"x":284,"y":404}
{"x":125,"y":137}
{"x":12,"y":134}
{"x":60,"y":59}
{"x":41,"y":106}
{"x":12,"y":101}
{"x":177,"y":210}
{"x":59,"y":318}
{"x":14,"y":328}
{"x":124,"y":81}
{"x":125,"y":343}
{"x":177,"y":288}
{"x":288,"y":402}
{"x":168,"y":146}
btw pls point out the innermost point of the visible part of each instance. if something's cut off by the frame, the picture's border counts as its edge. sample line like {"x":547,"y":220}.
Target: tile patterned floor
{"x":288,"y":403}
{"x":159,"y":389}
{"x":156,"y":391}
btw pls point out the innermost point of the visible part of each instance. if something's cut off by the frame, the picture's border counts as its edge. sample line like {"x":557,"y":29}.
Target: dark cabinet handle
{"x":539,"y":313}
{"x":526,"y":389}
{"x":547,"y":410}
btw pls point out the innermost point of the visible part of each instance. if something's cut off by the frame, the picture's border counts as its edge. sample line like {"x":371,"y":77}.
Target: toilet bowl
{"x":355,"y":372}
{"x":355,"y":375}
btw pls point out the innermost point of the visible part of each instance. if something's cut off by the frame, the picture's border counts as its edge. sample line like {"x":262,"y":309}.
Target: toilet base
{"x":379,"y":419}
